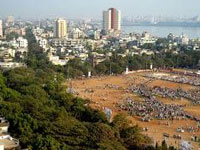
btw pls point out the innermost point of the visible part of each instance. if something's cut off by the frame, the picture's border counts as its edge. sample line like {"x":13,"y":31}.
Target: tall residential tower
{"x":1,"y":28}
{"x":60,"y":28}
{"x":10,"y":21}
{"x":111,"y":20}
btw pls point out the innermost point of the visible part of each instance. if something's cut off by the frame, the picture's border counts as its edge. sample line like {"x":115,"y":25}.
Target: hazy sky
{"x":93,"y":8}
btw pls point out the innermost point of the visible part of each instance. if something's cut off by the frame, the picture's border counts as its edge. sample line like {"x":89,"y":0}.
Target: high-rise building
{"x":111,"y":20}
{"x":60,"y":30}
{"x":10,"y":21}
{"x":1,"y":28}
{"x":106,"y":21}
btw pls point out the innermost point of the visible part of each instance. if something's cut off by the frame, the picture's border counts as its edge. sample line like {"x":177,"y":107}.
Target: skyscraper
{"x":111,"y":20}
{"x":60,"y":28}
{"x":1,"y":29}
{"x":106,"y":21}
{"x":10,"y":21}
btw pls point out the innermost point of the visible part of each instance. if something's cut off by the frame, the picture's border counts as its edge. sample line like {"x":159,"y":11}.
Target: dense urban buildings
{"x":60,"y":28}
{"x":111,"y":20}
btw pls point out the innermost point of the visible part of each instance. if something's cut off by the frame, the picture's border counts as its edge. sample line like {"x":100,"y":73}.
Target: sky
{"x":93,"y":8}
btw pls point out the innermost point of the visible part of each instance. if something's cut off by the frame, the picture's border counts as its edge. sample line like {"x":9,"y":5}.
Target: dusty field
{"x":172,"y":85}
{"x":110,"y":90}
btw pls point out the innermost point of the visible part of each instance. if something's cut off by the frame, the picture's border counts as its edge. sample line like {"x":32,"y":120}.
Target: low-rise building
{"x":18,"y":30}
{"x":10,"y":65}
{"x":147,"y":52}
{"x":22,"y":43}
{"x":7,"y":142}
{"x":42,"y":42}
{"x":69,"y":43}
{"x":37,"y":31}
{"x":183,"y":40}
{"x":76,"y":33}
{"x":56,"y":60}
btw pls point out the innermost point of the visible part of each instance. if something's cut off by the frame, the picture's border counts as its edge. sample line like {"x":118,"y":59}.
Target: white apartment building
{"x":22,"y":43}
{"x":106,"y":20}
{"x":38,"y":31}
{"x":76,"y":33}
{"x":183,"y":40}
{"x":146,"y":38}
{"x":146,"y":35}
{"x":42,"y":42}
{"x":96,"y":35}
{"x":69,"y":43}
{"x":56,"y":60}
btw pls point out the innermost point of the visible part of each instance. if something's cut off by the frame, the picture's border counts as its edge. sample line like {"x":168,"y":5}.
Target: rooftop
{"x":8,"y":142}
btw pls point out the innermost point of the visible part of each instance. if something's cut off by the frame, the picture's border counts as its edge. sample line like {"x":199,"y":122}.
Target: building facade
{"x":10,"y":21}
{"x":111,"y":20}
{"x":1,"y":29}
{"x":60,"y":29}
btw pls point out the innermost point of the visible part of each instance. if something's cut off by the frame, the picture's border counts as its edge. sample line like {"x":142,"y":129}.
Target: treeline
{"x":44,"y":116}
{"x":117,"y":64}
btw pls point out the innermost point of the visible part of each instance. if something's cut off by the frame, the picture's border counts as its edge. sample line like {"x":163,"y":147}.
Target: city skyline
{"x":92,"y":9}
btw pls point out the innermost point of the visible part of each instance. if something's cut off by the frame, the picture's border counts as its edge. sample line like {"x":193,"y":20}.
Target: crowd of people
{"x":151,"y":107}
{"x":192,"y":80}
{"x":192,"y":95}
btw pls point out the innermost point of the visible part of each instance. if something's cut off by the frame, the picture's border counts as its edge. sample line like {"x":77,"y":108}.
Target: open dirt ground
{"x":107,"y":91}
